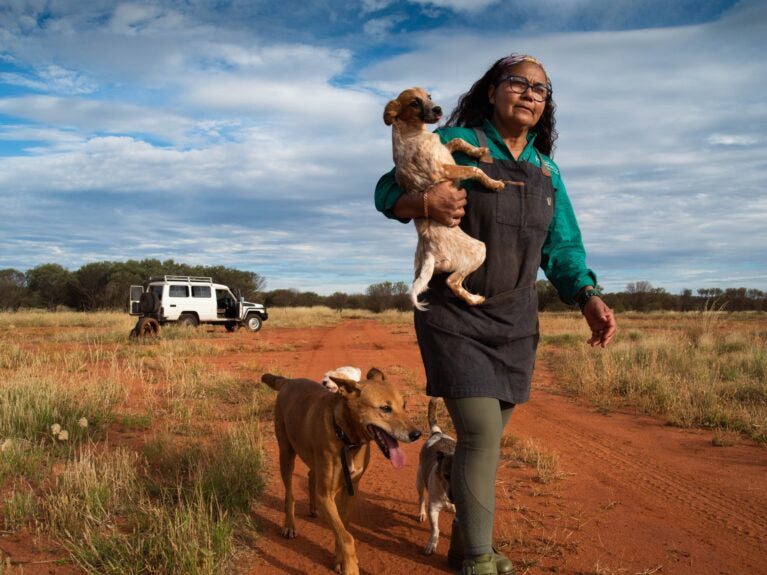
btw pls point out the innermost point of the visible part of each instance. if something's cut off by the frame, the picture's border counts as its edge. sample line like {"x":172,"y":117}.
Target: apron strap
{"x":481,"y":137}
{"x":544,"y":169}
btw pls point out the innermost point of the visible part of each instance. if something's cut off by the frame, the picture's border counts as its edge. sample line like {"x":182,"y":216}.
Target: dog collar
{"x":348,"y":446}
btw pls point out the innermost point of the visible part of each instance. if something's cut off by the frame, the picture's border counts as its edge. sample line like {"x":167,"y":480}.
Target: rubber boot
{"x":455,"y":555}
{"x":480,"y":565}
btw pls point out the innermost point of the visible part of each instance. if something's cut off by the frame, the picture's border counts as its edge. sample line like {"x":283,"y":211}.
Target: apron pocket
{"x":539,"y":209}
{"x":509,"y":207}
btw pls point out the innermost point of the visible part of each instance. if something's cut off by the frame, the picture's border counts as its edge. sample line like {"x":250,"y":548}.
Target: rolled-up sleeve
{"x":563,"y":257}
{"x":387,"y":193}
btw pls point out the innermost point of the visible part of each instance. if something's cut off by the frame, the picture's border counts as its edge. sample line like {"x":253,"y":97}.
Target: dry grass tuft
{"x":705,"y":369}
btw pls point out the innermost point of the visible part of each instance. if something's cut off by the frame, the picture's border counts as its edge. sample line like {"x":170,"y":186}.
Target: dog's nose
{"x":414,"y":435}
{"x":437,"y":110}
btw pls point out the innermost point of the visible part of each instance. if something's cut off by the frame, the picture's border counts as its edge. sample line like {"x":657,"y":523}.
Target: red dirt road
{"x":636,"y":496}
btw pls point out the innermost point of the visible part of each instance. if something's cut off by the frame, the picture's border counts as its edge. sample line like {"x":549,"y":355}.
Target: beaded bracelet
{"x":585,"y":296}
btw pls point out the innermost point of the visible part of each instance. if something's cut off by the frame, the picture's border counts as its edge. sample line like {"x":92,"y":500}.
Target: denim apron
{"x":489,"y":350}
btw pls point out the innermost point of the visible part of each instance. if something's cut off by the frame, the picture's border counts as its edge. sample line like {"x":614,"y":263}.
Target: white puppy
{"x":345,"y":372}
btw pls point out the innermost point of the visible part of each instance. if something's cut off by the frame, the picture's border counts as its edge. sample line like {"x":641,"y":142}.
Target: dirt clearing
{"x":580,"y":490}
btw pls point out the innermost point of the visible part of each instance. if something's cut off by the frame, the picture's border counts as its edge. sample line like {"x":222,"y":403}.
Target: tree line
{"x":104,"y":286}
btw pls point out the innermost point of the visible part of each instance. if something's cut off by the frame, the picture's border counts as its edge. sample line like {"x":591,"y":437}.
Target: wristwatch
{"x":585,"y":295}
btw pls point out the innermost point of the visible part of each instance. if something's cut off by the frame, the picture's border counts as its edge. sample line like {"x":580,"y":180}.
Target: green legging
{"x":479,"y":423}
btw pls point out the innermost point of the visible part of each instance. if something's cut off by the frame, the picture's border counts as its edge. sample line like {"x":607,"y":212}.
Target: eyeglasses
{"x":520,"y":85}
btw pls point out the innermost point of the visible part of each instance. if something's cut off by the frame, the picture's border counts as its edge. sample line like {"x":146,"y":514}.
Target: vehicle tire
{"x":231,"y":326}
{"x":253,"y":323}
{"x":147,"y":327}
{"x":188,"y":320}
{"x":149,"y":303}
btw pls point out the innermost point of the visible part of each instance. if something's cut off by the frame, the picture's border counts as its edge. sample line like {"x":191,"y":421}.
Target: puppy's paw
{"x":497,"y":185}
{"x":339,"y":569}
{"x":450,"y":507}
{"x":422,"y":517}
{"x":288,"y":533}
{"x":431,"y":547}
{"x":475,"y":299}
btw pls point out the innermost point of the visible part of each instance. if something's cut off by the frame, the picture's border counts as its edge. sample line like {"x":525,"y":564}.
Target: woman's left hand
{"x":601,"y":321}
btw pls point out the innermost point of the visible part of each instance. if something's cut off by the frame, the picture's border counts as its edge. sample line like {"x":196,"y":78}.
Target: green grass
{"x":33,"y":401}
{"x":180,"y":505}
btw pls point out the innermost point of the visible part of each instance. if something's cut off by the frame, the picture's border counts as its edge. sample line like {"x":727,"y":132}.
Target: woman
{"x":480,"y":359}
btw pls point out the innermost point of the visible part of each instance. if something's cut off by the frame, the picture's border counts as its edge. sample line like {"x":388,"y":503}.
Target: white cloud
{"x":266,"y":153}
{"x":458,"y":5}
{"x":380,"y":27}
{"x":88,"y":115}
{"x":369,"y":6}
{"x":733,"y":139}
{"x":53,"y":79}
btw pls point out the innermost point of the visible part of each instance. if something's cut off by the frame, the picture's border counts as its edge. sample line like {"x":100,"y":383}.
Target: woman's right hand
{"x":446,"y":203}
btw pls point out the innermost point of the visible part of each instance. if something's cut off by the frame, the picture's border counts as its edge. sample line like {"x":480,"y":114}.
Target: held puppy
{"x":434,"y":466}
{"x":421,"y":160}
{"x":345,"y":372}
{"x":331,"y":433}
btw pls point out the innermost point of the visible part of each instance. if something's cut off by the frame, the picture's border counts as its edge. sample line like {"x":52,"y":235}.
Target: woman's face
{"x":514,"y":110}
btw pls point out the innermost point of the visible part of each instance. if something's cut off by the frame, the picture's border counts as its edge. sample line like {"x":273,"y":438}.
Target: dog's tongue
{"x":396,"y":455}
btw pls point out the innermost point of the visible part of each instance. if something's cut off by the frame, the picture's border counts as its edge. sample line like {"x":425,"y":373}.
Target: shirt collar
{"x":495,"y":137}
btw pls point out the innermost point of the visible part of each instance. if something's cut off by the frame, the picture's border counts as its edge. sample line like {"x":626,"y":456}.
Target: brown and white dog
{"x":344,"y":372}
{"x":421,"y":161}
{"x":435,"y":464}
{"x":331,"y":433}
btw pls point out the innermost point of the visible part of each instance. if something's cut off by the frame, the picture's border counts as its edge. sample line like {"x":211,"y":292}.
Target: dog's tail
{"x":273,"y":381}
{"x":433,"y":427}
{"x":421,"y":282}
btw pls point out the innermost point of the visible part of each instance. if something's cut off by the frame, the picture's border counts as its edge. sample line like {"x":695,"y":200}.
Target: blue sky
{"x":249,"y":134}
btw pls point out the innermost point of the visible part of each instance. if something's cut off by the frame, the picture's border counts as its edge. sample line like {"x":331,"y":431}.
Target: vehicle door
{"x":204,"y":303}
{"x":135,"y":296}
{"x":178,"y":299}
{"x":226,"y":304}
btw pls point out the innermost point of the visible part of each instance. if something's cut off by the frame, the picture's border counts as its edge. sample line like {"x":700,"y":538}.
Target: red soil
{"x":636,"y":496}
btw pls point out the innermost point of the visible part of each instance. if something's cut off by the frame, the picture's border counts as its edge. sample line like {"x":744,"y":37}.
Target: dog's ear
{"x":391,"y":111}
{"x":375,"y":374}
{"x":346,"y":386}
{"x":440,"y":456}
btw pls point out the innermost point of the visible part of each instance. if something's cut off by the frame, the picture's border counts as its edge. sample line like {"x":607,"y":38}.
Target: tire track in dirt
{"x":729,"y":510}
{"x":663,"y":483}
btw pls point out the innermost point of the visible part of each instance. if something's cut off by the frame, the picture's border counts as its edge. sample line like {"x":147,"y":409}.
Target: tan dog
{"x":331,"y":433}
{"x":421,"y":161}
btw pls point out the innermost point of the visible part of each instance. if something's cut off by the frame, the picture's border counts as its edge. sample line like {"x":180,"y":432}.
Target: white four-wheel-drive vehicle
{"x":189,"y":300}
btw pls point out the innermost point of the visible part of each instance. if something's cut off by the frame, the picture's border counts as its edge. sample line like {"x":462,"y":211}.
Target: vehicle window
{"x":201,"y":291}
{"x":178,"y":291}
{"x":157,"y":290}
{"x":224,"y":298}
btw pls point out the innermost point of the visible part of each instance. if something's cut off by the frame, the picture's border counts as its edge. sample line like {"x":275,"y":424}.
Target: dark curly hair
{"x":474,"y":107}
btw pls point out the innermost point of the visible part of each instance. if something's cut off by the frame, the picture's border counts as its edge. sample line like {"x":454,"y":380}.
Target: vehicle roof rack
{"x":188,"y":279}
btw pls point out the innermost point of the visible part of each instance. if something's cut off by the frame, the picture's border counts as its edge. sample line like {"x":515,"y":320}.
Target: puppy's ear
{"x":440,"y":456}
{"x":346,"y":386}
{"x":375,"y":374}
{"x":391,"y":111}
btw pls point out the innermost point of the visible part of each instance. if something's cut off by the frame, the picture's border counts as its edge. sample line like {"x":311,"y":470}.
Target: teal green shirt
{"x":563,"y":258}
